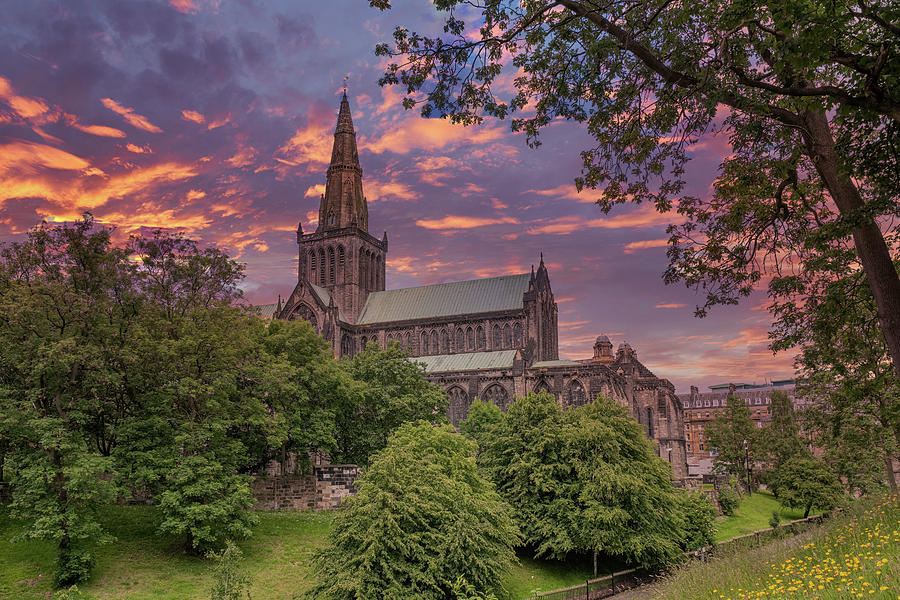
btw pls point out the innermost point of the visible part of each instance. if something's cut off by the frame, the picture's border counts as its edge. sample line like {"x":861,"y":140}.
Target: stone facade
{"x":494,"y":339}
{"x":324,"y":489}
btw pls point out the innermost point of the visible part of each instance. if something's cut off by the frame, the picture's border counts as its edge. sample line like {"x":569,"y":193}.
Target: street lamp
{"x":747,"y":459}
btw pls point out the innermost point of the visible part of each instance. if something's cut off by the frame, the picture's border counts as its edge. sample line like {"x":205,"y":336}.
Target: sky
{"x":215,"y":118}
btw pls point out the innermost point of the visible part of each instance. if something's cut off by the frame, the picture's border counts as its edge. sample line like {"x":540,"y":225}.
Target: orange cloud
{"x":388,"y":190}
{"x":670,"y":305}
{"x":138,"y":149}
{"x":193,"y":115}
{"x":131,"y":117}
{"x":315,"y":191}
{"x":184,"y":6}
{"x":641,"y":217}
{"x":311,"y":144}
{"x":463,"y":222}
{"x":21,"y":156}
{"x":416,"y":133}
{"x":100,"y":130}
{"x":567,"y":190}
{"x":630,"y":247}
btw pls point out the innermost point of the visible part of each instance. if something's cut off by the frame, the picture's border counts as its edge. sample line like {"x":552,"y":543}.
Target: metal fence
{"x":610,"y":585}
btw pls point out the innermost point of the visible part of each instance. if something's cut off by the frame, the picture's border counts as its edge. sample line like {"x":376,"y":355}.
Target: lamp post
{"x":747,"y":459}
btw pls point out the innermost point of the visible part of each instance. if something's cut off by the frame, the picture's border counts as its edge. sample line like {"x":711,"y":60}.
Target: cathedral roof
{"x":446,"y":299}
{"x":468,"y":361}
{"x":555,"y":363}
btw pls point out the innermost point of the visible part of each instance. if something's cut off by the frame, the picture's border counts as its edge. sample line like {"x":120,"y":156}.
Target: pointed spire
{"x":279,"y":307}
{"x":343,"y":204}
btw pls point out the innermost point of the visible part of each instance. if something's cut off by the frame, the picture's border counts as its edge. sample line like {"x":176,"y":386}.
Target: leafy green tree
{"x":422,"y":517}
{"x":811,"y":99}
{"x":466,"y":591}
{"x":584,"y":480}
{"x":780,"y":440}
{"x":733,"y":435}
{"x":699,"y":520}
{"x":728,"y":499}
{"x":806,"y":483}
{"x":480,"y":421}
{"x":229,"y":581}
{"x":393,"y":391}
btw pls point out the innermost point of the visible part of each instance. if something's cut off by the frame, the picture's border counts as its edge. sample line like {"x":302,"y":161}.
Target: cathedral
{"x":494,"y":338}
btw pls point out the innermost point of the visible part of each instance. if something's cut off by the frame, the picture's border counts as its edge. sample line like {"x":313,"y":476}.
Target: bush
{"x":229,"y":582}
{"x":72,"y":566}
{"x":73,"y":593}
{"x":775,"y":519}
{"x":728,"y":500}
{"x":699,"y":521}
{"x":423,"y":516}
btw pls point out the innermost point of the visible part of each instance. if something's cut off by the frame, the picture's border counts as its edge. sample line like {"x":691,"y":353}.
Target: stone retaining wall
{"x":324,"y":489}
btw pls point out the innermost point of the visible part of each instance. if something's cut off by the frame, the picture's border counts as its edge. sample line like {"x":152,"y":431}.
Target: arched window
{"x":445,"y":341}
{"x":363,"y":342}
{"x":307,"y":314}
{"x":575,"y":395}
{"x":408,"y":344}
{"x":312,"y":266}
{"x":372,"y":271}
{"x":341,"y":257}
{"x":424,"y":342}
{"x":498,"y":338}
{"x":507,"y":336}
{"x":377,"y":273}
{"x":434,"y":341}
{"x":362,"y":267}
{"x":470,"y":338}
{"x":458,"y":405}
{"x":649,"y":422}
{"x":496,"y":394}
{"x":321,"y":266}
{"x":517,"y":335}
{"x":330,"y":264}
{"x":480,"y":341}
{"x":460,"y":340}
{"x":542,"y":386}
{"x":346,"y":345}
{"x":331,"y":218}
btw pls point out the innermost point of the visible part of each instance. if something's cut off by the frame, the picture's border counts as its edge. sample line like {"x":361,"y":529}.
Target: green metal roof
{"x":445,"y":299}
{"x":555,"y":363}
{"x":266,"y":311}
{"x":469,"y":361}
{"x":322,"y":293}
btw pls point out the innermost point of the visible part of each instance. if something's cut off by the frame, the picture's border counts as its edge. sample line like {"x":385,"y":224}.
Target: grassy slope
{"x":753,"y":513}
{"x":855,"y":555}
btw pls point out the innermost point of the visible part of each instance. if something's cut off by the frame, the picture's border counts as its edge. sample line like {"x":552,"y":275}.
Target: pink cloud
{"x":630,"y":247}
{"x":463,"y":222}
{"x":131,"y":117}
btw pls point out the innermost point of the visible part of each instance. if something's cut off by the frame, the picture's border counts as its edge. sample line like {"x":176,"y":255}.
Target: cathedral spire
{"x":343,"y":204}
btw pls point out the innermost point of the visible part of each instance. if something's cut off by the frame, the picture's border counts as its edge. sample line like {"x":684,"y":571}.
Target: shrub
{"x":699,"y":521}
{"x":775,"y":519}
{"x":229,"y":582}
{"x":73,"y":565}
{"x":728,"y":500}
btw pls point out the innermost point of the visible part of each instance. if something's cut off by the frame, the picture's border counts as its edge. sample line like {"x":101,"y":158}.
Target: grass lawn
{"x":753,"y":513}
{"x":856,"y":554}
{"x":141,"y":565}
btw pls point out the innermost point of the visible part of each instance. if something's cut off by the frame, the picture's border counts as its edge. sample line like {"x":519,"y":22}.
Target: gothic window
{"x":542,"y":387}
{"x":424,"y":342}
{"x":460,"y":340}
{"x":517,"y":335}
{"x":346,"y":345}
{"x":371,"y":271}
{"x":362,"y":267}
{"x":496,"y":394}
{"x":363,"y":343}
{"x":459,"y":405}
{"x":377,"y":272}
{"x":330,"y":264}
{"x":470,"y":338}
{"x":321,"y":266}
{"x":307,"y":314}
{"x":507,"y":336}
{"x":408,"y":344}
{"x":331,"y":218}
{"x":341,"y":259}
{"x":480,"y":341}
{"x":445,"y":341}
{"x":576,"y":395}
{"x":434,"y":341}
{"x":649,"y":422}
{"x":311,"y":263}
{"x":498,"y":338}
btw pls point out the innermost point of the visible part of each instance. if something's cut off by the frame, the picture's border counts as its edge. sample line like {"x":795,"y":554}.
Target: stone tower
{"x":341,"y":256}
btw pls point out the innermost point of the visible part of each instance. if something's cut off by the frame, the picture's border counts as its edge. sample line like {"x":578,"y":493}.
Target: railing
{"x":609,"y":585}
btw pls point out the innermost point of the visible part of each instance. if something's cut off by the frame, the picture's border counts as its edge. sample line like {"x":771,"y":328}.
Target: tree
{"x":780,"y":439}
{"x":422,"y":517}
{"x":699,"y":520}
{"x":734,"y":437}
{"x":811,"y":99}
{"x":480,"y":421}
{"x":392,"y":391}
{"x":584,"y":480}
{"x":229,"y":582}
{"x":806,"y":483}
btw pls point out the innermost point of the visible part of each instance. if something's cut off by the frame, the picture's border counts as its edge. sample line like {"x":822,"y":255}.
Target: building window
{"x":496,"y":394}
{"x":408,"y":344}
{"x":445,"y":341}
{"x":312,"y":266}
{"x":576,"y":395}
{"x":480,"y":341}
{"x":424,"y":342}
{"x":460,"y":340}
{"x":542,"y":387}
{"x":330,"y":265}
{"x":649,"y":422}
{"x":341,"y":257}
{"x":459,"y":405}
{"x":470,"y":338}
{"x":434,"y":341}
{"x":498,"y":338}
{"x":507,"y":336}
{"x":346,"y":345}
{"x":517,"y":335}
{"x":322,"y":266}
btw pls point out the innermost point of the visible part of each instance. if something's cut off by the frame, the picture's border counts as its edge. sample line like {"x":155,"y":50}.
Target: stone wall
{"x":324,"y":489}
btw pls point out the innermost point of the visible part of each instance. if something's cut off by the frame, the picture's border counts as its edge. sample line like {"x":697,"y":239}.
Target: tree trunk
{"x":808,"y":508}
{"x":867,"y":237}
{"x":889,"y":467}
{"x":595,"y":564}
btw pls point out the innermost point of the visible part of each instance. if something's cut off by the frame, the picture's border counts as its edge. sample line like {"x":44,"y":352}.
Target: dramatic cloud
{"x":631,"y":247}
{"x":463,"y":222}
{"x":131,"y":117}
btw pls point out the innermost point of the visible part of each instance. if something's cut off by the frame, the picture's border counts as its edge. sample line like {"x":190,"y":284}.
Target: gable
{"x":446,"y":299}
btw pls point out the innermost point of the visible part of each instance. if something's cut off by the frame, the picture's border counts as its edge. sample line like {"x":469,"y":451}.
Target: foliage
{"x":807,"y":94}
{"x":422,"y":517}
{"x":806,"y":483}
{"x":584,"y":480}
{"x":72,"y":565}
{"x":699,"y":520}
{"x":71,"y":593}
{"x":462,"y":590}
{"x":728,"y":499}
{"x":780,"y":440}
{"x":229,"y":582}
{"x":480,"y":421}
{"x":775,"y":519}
{"x":393,"y":391}
{"x":733,"y":434}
